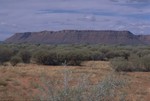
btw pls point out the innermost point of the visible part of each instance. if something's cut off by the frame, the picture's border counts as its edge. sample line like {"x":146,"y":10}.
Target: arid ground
{"x":23,"y":82}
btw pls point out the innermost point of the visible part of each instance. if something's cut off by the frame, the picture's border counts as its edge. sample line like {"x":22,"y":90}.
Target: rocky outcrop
{"x":77,"y":37}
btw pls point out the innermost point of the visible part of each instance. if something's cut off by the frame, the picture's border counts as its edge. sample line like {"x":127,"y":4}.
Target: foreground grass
{"x":93,"y":81}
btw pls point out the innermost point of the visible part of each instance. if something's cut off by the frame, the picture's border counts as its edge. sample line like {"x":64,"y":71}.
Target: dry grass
{"x":23,"y":81}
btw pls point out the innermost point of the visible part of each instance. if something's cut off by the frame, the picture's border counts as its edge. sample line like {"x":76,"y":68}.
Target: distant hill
{"x":144,"y":38}
{"x":79,"y":37}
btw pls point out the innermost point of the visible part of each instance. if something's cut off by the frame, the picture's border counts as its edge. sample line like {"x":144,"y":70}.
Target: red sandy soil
{"x":22,"y":82}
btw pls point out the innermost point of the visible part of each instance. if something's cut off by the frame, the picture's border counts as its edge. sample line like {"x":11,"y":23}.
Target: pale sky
{"x":38,"y":15}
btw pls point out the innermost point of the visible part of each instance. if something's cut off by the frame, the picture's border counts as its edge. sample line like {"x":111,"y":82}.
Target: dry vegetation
{"x":116,"y":73}
{"x":94,"y":81}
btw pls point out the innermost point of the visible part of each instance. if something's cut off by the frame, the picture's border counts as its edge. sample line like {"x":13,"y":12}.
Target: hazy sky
{"x":38,"y":15}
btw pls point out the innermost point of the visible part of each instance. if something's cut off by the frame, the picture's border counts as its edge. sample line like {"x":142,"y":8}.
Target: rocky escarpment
{"x":77,"y":37}
{"x":144,"y":38}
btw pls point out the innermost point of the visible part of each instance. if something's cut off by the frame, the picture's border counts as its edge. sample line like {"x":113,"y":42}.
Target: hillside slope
{"x":76,"y":37}
{"x":144,"y":38}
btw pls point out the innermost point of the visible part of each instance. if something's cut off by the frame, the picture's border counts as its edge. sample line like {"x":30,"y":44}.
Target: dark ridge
{"x":78,"y":37}
{"x":25,"y":35}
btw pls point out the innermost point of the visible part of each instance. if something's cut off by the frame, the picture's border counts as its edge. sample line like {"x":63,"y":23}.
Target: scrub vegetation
{"x":74,"y":72}
{"x":122,"y":58}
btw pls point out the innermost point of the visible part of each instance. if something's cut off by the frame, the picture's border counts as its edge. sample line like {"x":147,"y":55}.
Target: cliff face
{"x":144,"y":38}
{"x":77,"y":37}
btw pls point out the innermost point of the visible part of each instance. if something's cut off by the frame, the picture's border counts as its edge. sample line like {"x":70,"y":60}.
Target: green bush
{"x":134,"y":63}
{"x":15,"y":60}
{"x":142,"y":53}
{"x":25,"y":56}
{"x":146,"y":63}
{"x":97,"y":56}
{"x":45,"y":58}
{"x":5,"y":54}
{"x":120,"y":64}
{"x":75,"y":57}
{"x":117,"y":53}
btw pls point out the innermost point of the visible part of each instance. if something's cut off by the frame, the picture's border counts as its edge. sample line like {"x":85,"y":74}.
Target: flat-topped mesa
{"x":144,"y":38}
{"x":76,"y":37}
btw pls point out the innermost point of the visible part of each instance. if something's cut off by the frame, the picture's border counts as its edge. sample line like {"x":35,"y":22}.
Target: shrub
{"x":142,"y":53}
{"x":106,"y":90}
{"x":15,"y":60}
{"x":38,"y":56}
{"x":57,"y":58}
{"x":25,"y":56}
{"x":120,"y":64}
{"x":45,"y":57}
{"x":117,"y":53}
{"x":104,"y":50}
{"x":5,"y":54}
{"x":134,"y":63}
{"x":75,"y":57}
{"x":97,"y":56}
{"x":124,"y":53}
{"x":146,"y":62}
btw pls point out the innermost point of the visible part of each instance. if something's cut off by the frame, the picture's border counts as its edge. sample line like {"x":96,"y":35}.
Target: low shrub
{"x":58,"y":58}
{"x":97,"y":56}
{"x":5,"y":54}
{"x":134,"y":63}
{"x":15,"y":60}
{"x":45,"y":58}
{"x":146,"y":63}
{"x":143,"y":53}
{"x":106,"y":90}
{"x":117,"y":53}
{"x":120,"y":64}
{"x":75,"y":57}
{"x":25,"y":56}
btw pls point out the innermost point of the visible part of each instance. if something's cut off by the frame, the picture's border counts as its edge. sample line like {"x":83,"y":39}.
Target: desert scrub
{"x":25,"y":56}
{"x":146,"y":63}
{"x":46,"y":57}
{"x":15,"y":60}
{"x":106,"y":90}
{"x":134,"y":63}
{"x":109,"y":88}
{"x":5,"y":54}
{"x":120,"y":64}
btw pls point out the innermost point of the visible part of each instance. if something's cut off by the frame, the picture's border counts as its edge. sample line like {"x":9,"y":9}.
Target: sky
{"x":38,"y":15}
